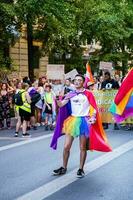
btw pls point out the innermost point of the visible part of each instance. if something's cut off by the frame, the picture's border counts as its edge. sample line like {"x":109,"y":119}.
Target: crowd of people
{"x":38,"y":106}
{"x":39,"y":100}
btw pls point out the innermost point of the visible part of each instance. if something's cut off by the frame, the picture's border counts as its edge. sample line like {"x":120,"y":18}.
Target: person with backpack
{"x":16,"y":107}
{"x":23,"y":101}
{"x":35,"y":97}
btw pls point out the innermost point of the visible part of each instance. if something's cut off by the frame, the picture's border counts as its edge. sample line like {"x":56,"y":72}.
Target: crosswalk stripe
{"x":57,"y":184}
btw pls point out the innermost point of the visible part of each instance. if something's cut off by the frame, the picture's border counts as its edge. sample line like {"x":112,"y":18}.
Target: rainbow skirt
{"x":76,"y":126}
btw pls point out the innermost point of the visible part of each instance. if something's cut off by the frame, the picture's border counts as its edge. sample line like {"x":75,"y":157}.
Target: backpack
{"x":35,"y":98}
{"x":17,"y":99}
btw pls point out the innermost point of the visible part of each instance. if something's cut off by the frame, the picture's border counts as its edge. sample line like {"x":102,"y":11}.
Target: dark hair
{"x":25,"y":79}
{"x":40,"y":84}
{"x":19,"y":82}
{"x":68,"y":79}
{"x":5,"y":85}
{"x":80,"y":75}
{"x":49,"y":86}
{"x":107,"y":73}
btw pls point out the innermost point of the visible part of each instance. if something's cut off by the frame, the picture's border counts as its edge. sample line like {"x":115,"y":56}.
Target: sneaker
{"x":16,"y":134}
{"x":38,"y":124}
{"x":51,"y":128}
{"x":116,"y":127}
{"x":46,"y":127}
{"x":9,"y":127}
{"x":59,"y":171}
{"x":26,"y":135}
{"x":42,"y":123}
{"x":28,"y":128}
{"x":128,"y":129}
{"x":34,"y":128}
{"x":80,"y":173}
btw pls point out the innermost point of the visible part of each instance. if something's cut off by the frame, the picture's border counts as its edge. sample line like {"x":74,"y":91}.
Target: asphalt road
{"x":26,"y":169}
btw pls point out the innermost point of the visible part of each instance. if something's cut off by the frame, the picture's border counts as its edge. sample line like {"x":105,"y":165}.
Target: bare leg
{"x":66,"y":152}
{"x":50,"y":121}
{"x":33,"y":120}
{"x":18,"y":124}
{"x":24,"y":126}
{"x":39,"y":111}
{"x":46,"y":119}
{"x":83,"y":151}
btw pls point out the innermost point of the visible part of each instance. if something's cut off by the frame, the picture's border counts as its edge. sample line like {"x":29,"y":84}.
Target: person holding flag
{"x":79,"y":117}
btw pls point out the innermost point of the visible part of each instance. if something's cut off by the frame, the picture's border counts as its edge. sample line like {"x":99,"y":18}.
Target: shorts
{"x":25,"y":116}
{"x":47,"y":110}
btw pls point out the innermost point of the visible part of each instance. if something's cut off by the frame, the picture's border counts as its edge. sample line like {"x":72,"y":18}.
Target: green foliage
{"x":110,"y":23}
{"x":53,"y":19}
{"x":63,"y":26}
{"x":7,"y":37}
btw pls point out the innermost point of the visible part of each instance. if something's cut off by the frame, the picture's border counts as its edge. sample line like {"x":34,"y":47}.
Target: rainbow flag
{"x":88,"y":76}
{"x":97,"y":139}
{"x":122,"y":107}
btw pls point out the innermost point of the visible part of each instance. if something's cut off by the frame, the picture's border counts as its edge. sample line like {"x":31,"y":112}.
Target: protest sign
{"x":104,"y":100}
{"x":55,"y":72}
{"x":71,"y":74}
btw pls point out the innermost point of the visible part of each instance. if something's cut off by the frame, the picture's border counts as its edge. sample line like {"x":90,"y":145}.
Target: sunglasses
{"x":79,"y":80}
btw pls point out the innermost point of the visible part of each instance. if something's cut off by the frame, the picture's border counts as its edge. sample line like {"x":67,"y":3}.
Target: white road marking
{"x":27,"y":141}
{"x":11,"y":138}
{"x":61,"y":182}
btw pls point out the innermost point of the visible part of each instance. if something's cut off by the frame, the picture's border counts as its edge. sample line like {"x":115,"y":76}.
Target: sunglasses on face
{"x":79,"y":80}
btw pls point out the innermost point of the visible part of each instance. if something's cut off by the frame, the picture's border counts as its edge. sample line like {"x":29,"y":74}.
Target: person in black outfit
{"x":107,"y":84}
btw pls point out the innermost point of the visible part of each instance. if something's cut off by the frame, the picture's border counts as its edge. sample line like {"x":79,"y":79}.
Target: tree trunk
{"x":30,"y":48}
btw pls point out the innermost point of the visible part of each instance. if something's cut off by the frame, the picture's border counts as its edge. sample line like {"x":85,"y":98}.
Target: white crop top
{"x":80,"y":105}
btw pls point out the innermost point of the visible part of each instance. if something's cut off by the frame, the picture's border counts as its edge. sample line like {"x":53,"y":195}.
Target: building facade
{"x":19,"y":55}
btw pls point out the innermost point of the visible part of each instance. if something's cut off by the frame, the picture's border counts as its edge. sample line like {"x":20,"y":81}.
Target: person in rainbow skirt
{"x":78,"y":117}
{"x":122,"y":107}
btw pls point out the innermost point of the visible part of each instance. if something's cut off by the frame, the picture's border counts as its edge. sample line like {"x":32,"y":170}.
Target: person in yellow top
{"x":49,"y":102}
{"x":24,"y":111}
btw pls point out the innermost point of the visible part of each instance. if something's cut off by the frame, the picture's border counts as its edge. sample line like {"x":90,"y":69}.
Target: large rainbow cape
{"x":122,"y":107}
{"x":97,"y":139}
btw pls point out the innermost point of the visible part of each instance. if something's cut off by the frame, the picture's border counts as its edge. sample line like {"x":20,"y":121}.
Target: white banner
{"x":71,"y":74}
{"x":106,"y":66}
{"x":55,"y":72}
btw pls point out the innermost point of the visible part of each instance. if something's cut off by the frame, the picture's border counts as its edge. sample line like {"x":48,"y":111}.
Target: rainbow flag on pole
{"x":88,"y":76}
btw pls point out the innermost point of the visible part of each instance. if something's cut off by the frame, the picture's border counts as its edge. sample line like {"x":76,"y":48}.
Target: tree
{"x":111,"y":24}
{"x":7,"y":31}
{"x":64,"y":26}
{"x":65,"y":45}
{"x":46,"y":21}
